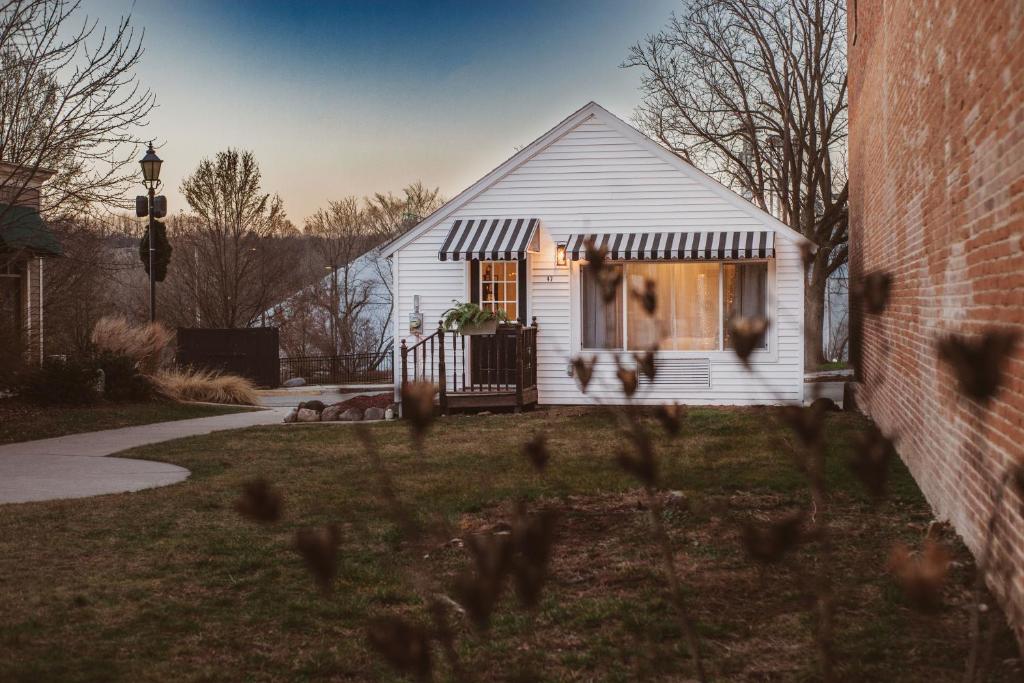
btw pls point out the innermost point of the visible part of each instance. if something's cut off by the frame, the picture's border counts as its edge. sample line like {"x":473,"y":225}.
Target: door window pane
{"x":498,"y":290}
{"x":601,"y":321}
{"x":745,"y":288}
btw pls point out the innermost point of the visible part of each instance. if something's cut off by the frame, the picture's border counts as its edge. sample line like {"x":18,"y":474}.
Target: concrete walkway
{"x":74,"y":466}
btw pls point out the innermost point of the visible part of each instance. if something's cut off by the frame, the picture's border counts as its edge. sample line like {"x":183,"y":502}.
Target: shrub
{"x":122,"y":379}
{"x":145,"y":344}
{"x":12,"y":359}
{"x":205,"y":385}
{"x":61,"y":382}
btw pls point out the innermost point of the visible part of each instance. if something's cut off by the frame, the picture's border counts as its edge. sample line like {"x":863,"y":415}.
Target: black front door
{"x":497,"y":286}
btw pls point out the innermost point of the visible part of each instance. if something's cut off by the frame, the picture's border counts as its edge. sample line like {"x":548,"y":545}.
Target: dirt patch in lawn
{"x":607,"y":590}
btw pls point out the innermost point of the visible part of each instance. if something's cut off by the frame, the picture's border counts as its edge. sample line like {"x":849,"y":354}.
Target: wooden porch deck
{"x":477,"y":372}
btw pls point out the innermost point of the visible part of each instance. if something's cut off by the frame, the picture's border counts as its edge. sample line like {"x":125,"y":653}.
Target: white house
{"x":515,"y":240}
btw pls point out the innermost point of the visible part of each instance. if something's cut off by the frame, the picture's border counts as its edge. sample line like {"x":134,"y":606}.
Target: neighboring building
{"x":937,"y":200}
{"x":365,"y":283}
{"x":710,"y":253}
{"x":25,"y":243}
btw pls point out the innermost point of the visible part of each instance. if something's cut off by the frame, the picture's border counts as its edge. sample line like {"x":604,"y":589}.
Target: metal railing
{"x":505,"y":361}
{"x":351,"y":368}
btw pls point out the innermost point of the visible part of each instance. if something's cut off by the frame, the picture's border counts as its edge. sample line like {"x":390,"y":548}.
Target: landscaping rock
{"x":351,"y":415}
{"x":307,"y":415}
{"x":331,"y":413}
{"x":294,"y":382}
{"x":318,"y":406}
{"x":389,"y":414}
{"x":290,"y":417}
{"x":374,"y":414}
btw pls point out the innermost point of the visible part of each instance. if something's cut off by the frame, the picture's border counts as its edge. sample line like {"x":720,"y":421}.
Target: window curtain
{"x":746,"y":294}
{"x":686,"y":316}
{"x":601,"y":322}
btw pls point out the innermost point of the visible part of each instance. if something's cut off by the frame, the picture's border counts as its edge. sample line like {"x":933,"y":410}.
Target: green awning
{"x":21,"y":227}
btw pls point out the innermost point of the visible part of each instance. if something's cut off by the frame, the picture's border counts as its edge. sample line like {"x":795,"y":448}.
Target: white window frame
{"x":515,"y":288}
{"x":765,"y":355}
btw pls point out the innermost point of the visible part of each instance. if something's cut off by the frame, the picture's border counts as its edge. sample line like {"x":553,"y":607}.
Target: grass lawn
{"x":23,"y":422}
{"x":171,"y":584}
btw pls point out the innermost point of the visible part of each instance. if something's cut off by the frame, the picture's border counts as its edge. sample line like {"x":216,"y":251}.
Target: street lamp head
{"x":150,"y":166}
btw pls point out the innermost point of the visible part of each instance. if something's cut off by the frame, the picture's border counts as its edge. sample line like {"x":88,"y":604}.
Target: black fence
{"x":352,"y":368}
{"x":249,"y":352}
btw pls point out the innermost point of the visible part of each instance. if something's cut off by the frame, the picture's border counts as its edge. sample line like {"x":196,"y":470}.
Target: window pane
{"x":745,"y":289}
{"x":601,"y":322}
{"x":686,"y":316}
{"x":644,"y":330}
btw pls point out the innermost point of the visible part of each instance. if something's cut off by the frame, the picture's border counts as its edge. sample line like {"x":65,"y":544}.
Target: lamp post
{"x":151,"y":180}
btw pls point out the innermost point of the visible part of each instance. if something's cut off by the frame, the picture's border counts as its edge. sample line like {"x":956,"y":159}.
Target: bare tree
{"x":236,"y":255}
{"x":70,"y":103}
{"x":391,"y":216}
{"x":754,"y":92}
{"x":346,"y":304}
{"x":340,"y":236}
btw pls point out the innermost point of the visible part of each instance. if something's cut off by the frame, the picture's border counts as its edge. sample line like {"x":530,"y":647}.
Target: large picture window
{"x":695,"y":301}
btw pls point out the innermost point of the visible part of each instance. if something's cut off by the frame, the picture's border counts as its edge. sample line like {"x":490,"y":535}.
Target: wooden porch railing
{"x":503,"y":363}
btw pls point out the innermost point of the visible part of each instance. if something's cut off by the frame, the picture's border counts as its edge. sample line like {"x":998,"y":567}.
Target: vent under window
{"x":690,"y":373}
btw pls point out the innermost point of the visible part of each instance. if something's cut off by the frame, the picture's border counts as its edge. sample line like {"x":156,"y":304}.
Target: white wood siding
{"x":596,"y":179}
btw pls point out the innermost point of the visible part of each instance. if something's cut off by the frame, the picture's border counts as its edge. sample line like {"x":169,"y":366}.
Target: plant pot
{"x":489,"y":327}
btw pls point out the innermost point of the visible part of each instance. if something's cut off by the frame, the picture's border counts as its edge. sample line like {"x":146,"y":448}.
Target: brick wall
{"x":937,"y":199}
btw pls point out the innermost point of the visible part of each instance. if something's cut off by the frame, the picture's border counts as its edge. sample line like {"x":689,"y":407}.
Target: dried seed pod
{"x":533,"y":539}
{"x":807,"y":422}
{"x":921,"y":576}
{"x":260,"y":502}
{"x":671,"y":416}
{"x":536,"y":451}
{"x":404,"y":645}
{"x":647,"y":295}
{"x":746,"y":333}
{"x":640,"y":461}
{"x":874,"y":290}
{"x":768,"y":543}
{"x":627,"y":377}
{"x":807,"y":251}
{"x":870,"y":462}
{"x":583,"y":370}
{"x":596,"y":255}
{"x":319,"y":550}
{"x":609,"y":280}
{"x":978,"y":364}
{"x":478,"y":589}
{"x":645,"y":363}
{"x":418,"y":406}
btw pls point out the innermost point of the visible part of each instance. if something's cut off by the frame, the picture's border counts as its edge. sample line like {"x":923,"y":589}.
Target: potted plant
{"x":468,"y":318}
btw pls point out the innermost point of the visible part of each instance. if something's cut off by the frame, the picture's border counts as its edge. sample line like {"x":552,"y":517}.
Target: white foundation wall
{"x":594,"y":179}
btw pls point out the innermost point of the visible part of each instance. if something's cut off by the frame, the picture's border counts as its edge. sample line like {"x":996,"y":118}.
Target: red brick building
{"x":937,"y":200}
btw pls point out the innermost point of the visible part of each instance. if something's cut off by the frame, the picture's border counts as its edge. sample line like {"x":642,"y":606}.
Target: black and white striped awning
{"x":490,"y":238}
{"x":647,"y":246}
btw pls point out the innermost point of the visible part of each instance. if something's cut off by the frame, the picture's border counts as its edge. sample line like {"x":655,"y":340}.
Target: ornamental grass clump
{"x":206,"y":386}
{"x":144,"y":344}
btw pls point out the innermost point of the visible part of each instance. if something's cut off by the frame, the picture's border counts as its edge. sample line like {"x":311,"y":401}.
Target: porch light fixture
{"x":561,"y":257}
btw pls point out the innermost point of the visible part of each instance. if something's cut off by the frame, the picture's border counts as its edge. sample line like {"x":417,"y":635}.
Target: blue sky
{"x":351,"y":98}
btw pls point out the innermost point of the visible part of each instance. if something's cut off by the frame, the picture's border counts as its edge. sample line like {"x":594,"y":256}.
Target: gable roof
{"x":591,"y":109}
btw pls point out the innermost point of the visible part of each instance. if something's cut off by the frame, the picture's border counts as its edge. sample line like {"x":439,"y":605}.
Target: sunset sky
{"x":351,"y":98}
